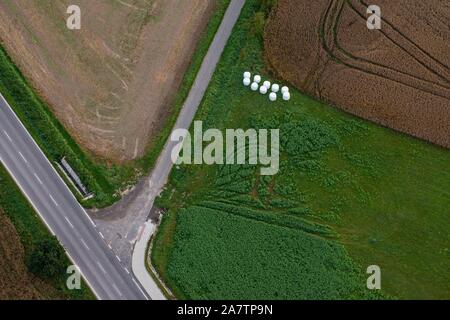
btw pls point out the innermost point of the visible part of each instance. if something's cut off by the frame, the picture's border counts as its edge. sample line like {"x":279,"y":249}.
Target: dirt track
{"x":110,"y":83}
{"x":398,"y":76}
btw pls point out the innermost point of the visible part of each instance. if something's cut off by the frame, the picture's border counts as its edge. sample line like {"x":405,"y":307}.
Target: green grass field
{"x":349,"y":194}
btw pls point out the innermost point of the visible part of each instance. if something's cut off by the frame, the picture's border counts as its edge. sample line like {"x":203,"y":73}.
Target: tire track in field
{"x":327,"y":32}
{"x":269,"y":217}
{"x":404,"y":36}
{"x":386,"y":72}
{"x":443,"y":74}
{"x":373,"y":63}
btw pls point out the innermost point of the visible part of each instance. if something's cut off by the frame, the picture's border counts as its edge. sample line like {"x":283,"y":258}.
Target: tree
{"x":47,"y":259}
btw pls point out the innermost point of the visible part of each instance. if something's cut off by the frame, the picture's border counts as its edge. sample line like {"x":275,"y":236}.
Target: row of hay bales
{"x":265,"y":87}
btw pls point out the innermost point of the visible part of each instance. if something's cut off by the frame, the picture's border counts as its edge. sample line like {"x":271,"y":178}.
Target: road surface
{"x":61,"y":212}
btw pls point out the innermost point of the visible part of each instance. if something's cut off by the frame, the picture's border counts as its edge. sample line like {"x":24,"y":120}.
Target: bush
{"x":47,"y":260}
{"x":266,"y":5}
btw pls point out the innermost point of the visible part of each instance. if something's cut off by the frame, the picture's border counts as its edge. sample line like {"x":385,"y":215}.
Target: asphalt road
{"x":62,"y":213}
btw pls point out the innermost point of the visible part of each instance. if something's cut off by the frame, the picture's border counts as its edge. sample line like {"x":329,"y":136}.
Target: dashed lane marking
{"x":38,"y":179}
{"x":101,"y":267}
{"x":68,"y":221}
{"x":53,"y":199}
{"x":23,"y":158}
{"x":7,"y":135}
{"x":84,"y":244}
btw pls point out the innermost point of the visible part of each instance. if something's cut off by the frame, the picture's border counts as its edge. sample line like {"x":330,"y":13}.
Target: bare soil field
{"x":15,"y":280}
{"x":110,"y":83}
{"x":398,"y":76}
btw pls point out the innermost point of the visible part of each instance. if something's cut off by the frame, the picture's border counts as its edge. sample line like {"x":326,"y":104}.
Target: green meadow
{"x":349,"y":194}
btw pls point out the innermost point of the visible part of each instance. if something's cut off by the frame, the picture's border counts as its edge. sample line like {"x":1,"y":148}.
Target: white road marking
{"x":101,"y":235}
{"x":139,"y":288}
{"x":118,"y":258}
{"x":53,"y":199}
{"x":23,"y":158}
{"x":90,"y":219}
{"x":109,"y":246}
{"x":68,"y":221}
{"x":118,"y":291}
{"x":84,"y":243}
{"x":38,"y":179}
{"x":7,"y":135}
{"x":127,"y":270}
{"x":101,"y":267}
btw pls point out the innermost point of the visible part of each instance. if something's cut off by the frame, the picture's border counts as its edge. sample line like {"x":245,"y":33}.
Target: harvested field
{"x":398,"y":76}
{"x":110,"y":83}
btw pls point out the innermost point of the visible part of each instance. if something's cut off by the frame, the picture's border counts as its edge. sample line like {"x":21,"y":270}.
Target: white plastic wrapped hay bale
{"x":275,"y":88}
{"x":286,"y":96}
{"x":263,"y":90}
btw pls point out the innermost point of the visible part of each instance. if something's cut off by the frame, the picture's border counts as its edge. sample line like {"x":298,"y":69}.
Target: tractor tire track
{"x":327,"y":34}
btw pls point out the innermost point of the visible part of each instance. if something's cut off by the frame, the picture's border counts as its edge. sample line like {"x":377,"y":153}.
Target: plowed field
{"x":398,"y":76}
